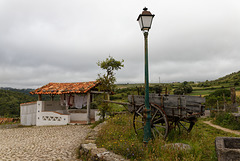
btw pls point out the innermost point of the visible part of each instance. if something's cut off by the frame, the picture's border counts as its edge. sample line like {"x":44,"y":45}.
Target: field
{"x":119,"y":136}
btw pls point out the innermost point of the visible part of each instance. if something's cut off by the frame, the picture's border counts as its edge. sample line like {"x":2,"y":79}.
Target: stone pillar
{"x":88,"y":107}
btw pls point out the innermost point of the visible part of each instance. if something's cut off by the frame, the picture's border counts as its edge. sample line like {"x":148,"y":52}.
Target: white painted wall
{"x":81,"y":115}
{"x":50,"y":118}
{"x":78,"y":116}
{"x":34,"y":114}
{"x":97,"y":115}
{"x":52,"y":106}
{"x":28,"y":113}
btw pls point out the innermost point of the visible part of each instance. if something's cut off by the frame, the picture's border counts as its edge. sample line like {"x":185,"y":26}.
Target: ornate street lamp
{"x":145,"y":22}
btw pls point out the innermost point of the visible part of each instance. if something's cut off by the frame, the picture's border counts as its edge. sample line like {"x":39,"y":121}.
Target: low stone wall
{"x":89,"y":150}
{"x":52,"y":118}
{"x":81,"y":115}
{"x":227,"y":148}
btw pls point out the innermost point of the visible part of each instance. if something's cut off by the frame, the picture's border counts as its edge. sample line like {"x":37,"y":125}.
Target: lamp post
{"x":145,"y":22}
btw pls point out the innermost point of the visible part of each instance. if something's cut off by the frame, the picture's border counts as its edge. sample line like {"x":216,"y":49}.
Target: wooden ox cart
{"x":168,"y":111}
{"x":179,"y":112}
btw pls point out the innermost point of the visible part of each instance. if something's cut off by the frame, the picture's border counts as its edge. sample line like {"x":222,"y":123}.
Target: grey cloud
{"x":58,"y":41}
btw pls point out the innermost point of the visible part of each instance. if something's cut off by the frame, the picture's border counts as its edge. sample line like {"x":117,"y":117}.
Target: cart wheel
{"x":138,"y":121}
{"x":159,"y":122}
{"x":185,"y":125}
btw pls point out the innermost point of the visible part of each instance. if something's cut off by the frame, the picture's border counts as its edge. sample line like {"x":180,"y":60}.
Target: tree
{"x":220,"y":95}
{"x":184,"y":88}
{"x":107,"y":81}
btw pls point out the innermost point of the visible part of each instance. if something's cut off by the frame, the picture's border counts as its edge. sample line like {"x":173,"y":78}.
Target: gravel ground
{"x":42,"y":143}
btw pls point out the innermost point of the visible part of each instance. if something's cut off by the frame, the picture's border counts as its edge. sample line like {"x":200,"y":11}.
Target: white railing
{"x":34,"y":113}
{"x":52,"y":118}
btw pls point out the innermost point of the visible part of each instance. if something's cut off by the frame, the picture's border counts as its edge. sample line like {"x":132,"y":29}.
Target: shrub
{"x":184,"y":88}
{"x":227,"y":120}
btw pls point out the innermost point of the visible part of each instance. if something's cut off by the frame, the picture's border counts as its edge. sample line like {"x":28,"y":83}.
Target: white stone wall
{"x":52,"y":106}
{"x":50,"y":118}
{"x":28,"y":113}
{"x":78,"y":116}
{"x":81,"y":115}
{"x":34,"y":114}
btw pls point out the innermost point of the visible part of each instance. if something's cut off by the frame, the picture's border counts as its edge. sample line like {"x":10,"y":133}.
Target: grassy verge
{"x":227,"y":120}
{"x":118,"y":136}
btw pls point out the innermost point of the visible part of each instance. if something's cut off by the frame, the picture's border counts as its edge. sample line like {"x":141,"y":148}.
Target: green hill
{"x":10,"y":102}
{"x":25,"y":91}
{"x":230,"y":78}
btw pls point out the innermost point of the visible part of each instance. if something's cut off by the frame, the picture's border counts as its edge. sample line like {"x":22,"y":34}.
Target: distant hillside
{"x":10,"y":102}
{"x":230,"y":78}
{"x":25,"y":91}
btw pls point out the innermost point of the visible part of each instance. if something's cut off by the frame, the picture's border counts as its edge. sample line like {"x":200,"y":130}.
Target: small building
{"x":68,"y":108}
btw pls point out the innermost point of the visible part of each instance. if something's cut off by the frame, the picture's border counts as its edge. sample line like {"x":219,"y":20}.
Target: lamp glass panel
{"x":140,"y":22}
{"x":147,"y":21}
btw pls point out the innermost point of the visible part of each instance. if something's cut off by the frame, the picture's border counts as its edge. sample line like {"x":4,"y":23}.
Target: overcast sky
{"x":44,"y":41}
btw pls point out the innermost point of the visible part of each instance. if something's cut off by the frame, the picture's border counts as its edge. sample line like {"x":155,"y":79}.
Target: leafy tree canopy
{"x":110,"y":64}
{"x":10,"y":102}
{"x":184,"y":88}
{"x":107,"y":81}
{"x":221,"y":92}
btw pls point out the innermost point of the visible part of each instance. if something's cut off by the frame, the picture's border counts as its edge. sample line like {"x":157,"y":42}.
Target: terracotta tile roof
{"x":28,"y":103}
{"x":63,"y":88}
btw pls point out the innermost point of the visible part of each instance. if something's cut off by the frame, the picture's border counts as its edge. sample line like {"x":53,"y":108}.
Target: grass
{"x":227,"y":120}
{"x":119,"y":136}
{"x":96,"y":123}
{"x":201,"y":92}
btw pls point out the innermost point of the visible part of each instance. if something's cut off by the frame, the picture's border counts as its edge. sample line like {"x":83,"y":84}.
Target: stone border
{"x":227,"y":148}
{"x":9,"y":126}
{"x":90,"y":151}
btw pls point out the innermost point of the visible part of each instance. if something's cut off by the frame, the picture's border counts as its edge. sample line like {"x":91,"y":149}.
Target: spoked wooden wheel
{"x":138,"y":121}
{"x":185,"y":125}
{"x":159,"y":122}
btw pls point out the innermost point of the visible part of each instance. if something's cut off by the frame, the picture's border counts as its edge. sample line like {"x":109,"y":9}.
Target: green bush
{"x":227,"y":120}
{"x":184,"y":88}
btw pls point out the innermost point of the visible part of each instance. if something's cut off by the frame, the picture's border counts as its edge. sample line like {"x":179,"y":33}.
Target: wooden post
{"x":224,"y":102}
{"x":88,"y":107}
{"x":233,"y":95}
{"x":52,"y":97}
{"x":39,"y":97}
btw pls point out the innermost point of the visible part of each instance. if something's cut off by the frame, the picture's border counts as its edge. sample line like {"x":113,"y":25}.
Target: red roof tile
{"x":62,"y":88}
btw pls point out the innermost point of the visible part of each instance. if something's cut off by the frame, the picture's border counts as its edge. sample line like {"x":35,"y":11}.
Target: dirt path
{"x":222,"y":128}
